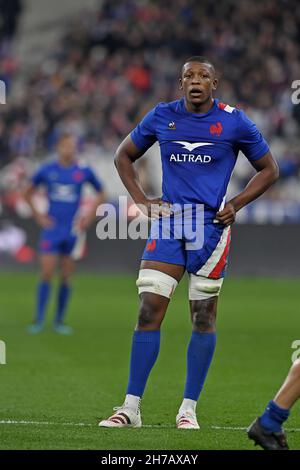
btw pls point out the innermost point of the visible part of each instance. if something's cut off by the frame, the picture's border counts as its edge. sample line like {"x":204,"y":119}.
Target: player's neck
{"x":66,"y":163}
{"x":200,"y":108}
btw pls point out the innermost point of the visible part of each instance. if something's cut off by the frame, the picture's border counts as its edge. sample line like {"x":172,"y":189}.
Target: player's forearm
{"x":129,"y":177}
{"x":99,"y":199}
{"x":27,"y":196}
{"x":256,"y":187}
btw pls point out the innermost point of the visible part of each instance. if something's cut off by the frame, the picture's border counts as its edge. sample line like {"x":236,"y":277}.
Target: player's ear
{"x":215,"y":84}
{"x":180,"y":84}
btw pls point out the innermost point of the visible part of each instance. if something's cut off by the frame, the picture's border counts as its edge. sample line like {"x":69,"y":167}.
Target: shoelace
{"x":117,"y":408}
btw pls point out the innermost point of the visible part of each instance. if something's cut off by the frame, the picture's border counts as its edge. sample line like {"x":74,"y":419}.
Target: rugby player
{"x":63,"y":228}
{"x":267,"y":430}
{"x":199,"y":139}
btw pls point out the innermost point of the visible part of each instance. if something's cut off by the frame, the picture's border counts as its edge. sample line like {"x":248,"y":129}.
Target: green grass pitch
{"x":53,"y":383}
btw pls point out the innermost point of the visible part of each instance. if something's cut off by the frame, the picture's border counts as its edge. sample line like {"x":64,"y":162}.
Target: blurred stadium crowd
{"x":115,"y":63}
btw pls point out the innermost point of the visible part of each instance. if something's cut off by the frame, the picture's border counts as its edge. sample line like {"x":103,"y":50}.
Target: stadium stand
{"x":110,"y":65}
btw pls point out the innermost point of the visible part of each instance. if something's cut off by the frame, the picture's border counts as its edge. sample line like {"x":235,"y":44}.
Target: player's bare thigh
{"x":48,"y":262}
{"x":153,"y":307}
{"x":173,"y":270}
{"x":67,"y":268}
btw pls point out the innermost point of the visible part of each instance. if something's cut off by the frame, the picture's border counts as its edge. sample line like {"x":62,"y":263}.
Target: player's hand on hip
{"x":44,"y":220}
{"x":154,"y":208}
{"x":227,"y":215}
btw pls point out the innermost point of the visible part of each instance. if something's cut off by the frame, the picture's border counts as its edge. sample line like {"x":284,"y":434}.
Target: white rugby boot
{"x":187,"y":420}
{"x":124,"y":417}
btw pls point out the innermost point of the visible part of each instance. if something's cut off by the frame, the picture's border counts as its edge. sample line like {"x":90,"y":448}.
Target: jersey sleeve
{"x":250,"y":141}
{"x":39,"y":177}
{"x":93,"y":180}
{"x":144,"y":134}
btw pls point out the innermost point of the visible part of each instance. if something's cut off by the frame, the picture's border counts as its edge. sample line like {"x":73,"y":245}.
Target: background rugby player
{"x":63,"y":227}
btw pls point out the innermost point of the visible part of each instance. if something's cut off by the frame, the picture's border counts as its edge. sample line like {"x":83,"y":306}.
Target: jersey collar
{"x":183,"y":109}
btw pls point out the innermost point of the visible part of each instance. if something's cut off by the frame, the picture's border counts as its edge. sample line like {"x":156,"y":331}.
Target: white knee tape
{"x":150,"y":280}
{"x":201,"y":288}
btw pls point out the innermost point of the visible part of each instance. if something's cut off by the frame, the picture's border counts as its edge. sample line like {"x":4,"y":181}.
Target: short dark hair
{"x":201,"y":59}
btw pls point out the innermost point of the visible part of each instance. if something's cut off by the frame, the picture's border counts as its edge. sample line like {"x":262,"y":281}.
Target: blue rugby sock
{"x":144,"y":352}
{"x":199,"y":356}
{"x":62,"y":302}
{"x":43,"y":292}
{"x":273,"y":417}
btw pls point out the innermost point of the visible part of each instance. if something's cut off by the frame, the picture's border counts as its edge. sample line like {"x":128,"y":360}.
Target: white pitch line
{"x":229,"y":428}
{"x":42,"y":423}
{"x":147,"y":426}
{"x":238,"y":428}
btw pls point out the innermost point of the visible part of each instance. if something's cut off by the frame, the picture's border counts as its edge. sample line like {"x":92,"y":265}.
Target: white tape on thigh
{"x":151,"y":280}
{"x":201,"y":288}
{"x":78,"y":250}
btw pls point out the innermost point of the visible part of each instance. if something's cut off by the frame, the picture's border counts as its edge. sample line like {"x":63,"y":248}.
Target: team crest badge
{"x":151,"y":245}
{"x":78,"y":176}
{"x":216,"y":129}
{"x":172,"y":125}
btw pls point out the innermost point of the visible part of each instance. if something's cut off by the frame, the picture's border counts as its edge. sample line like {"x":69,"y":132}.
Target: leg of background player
{"x":267,"y":429}
{"x":289,"y":393}
{"x":47,"y":267}
{"x":277,"y":410}
{"x":67,"y":268}
{"x":200,"y":352}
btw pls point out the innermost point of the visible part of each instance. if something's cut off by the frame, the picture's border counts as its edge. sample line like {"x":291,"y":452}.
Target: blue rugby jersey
{"x":198,"y":151}
{"x":64,"y":185}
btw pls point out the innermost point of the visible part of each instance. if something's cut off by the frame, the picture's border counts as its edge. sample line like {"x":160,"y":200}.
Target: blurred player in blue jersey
{"x":63,"y":228}
{"x":199,"y":139}
{"x":267,"y":430}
